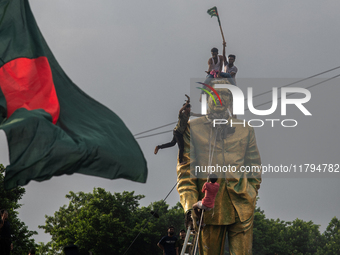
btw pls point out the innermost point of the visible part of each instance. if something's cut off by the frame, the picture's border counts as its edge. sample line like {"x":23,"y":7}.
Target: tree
{"x":331,"y":239}
{"x":22,"y":240}
{"x":268,"y":235}
{"x":303,"y":237}
{"x":285,"y":238}
{"x":45,"y":249}
{"x":106,"y":223}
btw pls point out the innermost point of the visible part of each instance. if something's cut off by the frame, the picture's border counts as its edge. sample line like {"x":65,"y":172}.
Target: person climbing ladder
{"x":210,"y":188}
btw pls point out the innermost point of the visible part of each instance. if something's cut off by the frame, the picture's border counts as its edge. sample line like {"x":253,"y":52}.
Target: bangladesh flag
{"x":213,"y":12}
{"x":52,"y":127}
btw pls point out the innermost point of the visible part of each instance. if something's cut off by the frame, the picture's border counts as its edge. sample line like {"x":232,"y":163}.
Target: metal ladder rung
{"x":198,"y":233}
{"x":195,"y":239}
{"x":186,"y":241}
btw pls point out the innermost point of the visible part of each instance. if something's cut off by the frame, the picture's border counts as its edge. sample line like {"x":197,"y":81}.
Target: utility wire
{"x":304,"y":79}
{"x":172,"y":123}
{"x":247,"y":109}
{"x":155,"y":133}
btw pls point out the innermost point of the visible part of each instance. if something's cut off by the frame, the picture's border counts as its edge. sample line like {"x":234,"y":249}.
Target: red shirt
{"x":210,"y":194}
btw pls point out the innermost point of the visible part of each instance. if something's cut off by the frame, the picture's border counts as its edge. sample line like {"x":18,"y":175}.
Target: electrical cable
{"x":304,"y":79}
{"x":247,"y":109}
{"x":172,"y":123}
{"x":154,"y":134}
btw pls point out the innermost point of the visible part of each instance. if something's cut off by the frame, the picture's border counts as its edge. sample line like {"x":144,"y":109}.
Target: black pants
{"x":5,"y":247}
{"x":178,"y":138}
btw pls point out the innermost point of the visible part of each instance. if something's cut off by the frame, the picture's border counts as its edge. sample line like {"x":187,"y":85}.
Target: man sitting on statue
{"x":215,"y":65}
{"x":229,"y":67}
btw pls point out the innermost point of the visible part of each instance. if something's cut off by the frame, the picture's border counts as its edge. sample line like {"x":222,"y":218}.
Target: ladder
{"x":195,"y":235}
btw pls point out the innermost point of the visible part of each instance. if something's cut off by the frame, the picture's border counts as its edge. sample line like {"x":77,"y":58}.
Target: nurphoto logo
{"x":238,"y":104}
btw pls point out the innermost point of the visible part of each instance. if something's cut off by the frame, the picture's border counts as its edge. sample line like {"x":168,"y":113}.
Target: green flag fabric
{"x":213,"y":12}
{"x":52,"y":127}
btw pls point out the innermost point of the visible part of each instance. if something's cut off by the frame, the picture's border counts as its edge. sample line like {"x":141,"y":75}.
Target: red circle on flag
{"x":28,"y":83}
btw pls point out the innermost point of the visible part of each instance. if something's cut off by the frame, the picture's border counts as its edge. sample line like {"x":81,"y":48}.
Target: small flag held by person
{"x":213,"y":12}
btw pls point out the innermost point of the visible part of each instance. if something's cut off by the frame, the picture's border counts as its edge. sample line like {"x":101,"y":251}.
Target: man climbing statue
{"x":183,"y":118}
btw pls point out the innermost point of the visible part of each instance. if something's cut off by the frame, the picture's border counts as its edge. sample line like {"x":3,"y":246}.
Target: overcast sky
{"x":137,"y":58}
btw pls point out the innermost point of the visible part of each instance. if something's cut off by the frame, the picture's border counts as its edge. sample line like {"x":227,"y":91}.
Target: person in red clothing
{"x":210,"y":188}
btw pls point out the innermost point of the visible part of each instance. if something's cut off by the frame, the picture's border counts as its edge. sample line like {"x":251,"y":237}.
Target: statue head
{"x":226,"y":98}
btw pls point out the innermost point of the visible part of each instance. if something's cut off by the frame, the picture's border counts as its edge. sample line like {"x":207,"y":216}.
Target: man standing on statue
{"x":233,"y":149}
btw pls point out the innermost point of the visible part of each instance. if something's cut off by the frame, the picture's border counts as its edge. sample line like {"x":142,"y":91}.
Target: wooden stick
{"x":222,"y":33}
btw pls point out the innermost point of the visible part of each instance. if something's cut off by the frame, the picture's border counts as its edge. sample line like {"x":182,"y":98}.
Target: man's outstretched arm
{"x":186,"y":103}
{"x":224,"y":56}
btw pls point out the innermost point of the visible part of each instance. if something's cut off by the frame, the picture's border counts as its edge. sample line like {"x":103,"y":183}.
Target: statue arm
{"x":187,"y":184}
{"x":252,"y":158}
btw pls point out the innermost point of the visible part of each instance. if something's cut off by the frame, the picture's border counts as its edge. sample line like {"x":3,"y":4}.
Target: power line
{"x":304,"y":79}
{"x":172,"y":123}
{"x":154,"y":129}
{"x":247,"y":109}
{"x":155,"y":133}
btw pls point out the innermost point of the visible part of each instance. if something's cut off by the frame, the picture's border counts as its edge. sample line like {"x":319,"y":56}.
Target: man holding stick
{"x":215,"y":63}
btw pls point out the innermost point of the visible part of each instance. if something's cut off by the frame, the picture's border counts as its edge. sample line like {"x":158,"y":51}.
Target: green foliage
{"x":268,"y":235}
{"x":303,"y":237}
{"x":46,"y":249}
{"x":22,"y":240}
{"x":106,"y":223}
{"x":331,"y":238}
{"x":285,"y":238}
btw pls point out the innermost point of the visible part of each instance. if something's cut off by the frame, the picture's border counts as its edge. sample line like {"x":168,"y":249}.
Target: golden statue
{"x":225,"y":147}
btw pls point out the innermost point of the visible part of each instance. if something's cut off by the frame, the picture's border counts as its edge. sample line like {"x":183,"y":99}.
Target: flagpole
{"x":213,"y":12}
{"x":219,"y":22}
{"x":222,"y":33}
